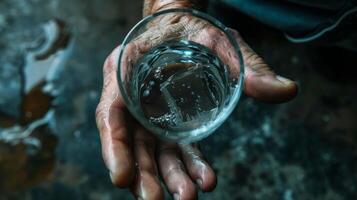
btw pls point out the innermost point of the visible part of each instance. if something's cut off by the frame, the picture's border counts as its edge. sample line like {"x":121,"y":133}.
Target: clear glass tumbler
{"x":180,"y":73}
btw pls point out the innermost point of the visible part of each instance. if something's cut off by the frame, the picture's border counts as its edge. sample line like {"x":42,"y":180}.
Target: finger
{"x":166,"y":28}
{"x":147,"y":185}
{"x":111,"y":123}
{"x":261,"y":82}
{"x":217,"y":41}
{"x":172,"y":171}
{"x":198,"y":168}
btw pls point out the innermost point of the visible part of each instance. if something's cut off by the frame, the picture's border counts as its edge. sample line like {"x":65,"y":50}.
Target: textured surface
{"x":305,"y":149}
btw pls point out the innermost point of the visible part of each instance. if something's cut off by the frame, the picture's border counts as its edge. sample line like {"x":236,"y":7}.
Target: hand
{"x":136,"y":159}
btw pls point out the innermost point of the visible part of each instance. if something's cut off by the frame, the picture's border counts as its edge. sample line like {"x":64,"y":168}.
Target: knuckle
{"x":130,"y":53}
{"x":252,"y":59}
{"x":211,"y":32}
{"x":107,"y":65}
{"x":99,"y":111}
{"x":110,"y":62}
{"x":166,"y":174}
{"x":99,"y":116}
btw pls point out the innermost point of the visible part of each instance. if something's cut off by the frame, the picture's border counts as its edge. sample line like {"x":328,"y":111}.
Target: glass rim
{"x":224,"y":113}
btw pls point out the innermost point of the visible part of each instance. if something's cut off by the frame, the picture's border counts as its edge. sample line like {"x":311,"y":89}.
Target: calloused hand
{"x":137,"y":159}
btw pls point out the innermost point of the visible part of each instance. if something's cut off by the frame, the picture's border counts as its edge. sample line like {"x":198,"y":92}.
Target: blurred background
{"x":51,"y":56}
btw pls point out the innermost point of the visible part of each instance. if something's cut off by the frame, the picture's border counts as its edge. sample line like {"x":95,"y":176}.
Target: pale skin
{"x":138,"y":160}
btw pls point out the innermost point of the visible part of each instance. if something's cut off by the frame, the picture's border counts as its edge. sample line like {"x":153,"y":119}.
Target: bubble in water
{"x":146,"y":93}
{"x":158,"y":72}
{"x":166,"y":118}
{"x":186,"y":92}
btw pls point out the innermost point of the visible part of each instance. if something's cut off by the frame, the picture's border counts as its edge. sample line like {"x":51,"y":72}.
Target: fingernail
{"x":283,"y":80}
{"x":176,"y":196}
{"x":199,"y":182}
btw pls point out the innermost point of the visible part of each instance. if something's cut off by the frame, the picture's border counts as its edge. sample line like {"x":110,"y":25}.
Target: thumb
{"x":261,"y":82}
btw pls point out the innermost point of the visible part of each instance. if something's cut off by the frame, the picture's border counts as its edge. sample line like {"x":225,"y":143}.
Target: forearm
{"x":152,"y":6}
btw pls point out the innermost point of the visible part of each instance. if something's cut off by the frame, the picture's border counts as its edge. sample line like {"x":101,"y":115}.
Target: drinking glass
{"x":180,"y":73}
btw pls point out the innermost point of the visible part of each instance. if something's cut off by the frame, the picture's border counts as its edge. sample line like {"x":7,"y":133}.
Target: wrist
{"x":153,"y":6}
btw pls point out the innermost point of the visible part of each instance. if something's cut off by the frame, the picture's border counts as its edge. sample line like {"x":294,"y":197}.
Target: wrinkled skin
{"x":136,"y":158}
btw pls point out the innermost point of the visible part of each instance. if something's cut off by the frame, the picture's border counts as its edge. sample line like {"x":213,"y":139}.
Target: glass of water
{"x":180,"y":74}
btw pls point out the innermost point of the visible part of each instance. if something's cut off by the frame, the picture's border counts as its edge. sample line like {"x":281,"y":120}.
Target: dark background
{"x":304,"y":149}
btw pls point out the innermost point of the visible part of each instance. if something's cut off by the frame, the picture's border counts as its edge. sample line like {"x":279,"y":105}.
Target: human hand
{"x":137,"y":158}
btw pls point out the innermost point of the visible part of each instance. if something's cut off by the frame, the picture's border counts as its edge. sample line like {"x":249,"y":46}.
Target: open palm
{"x":135,"y":157}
